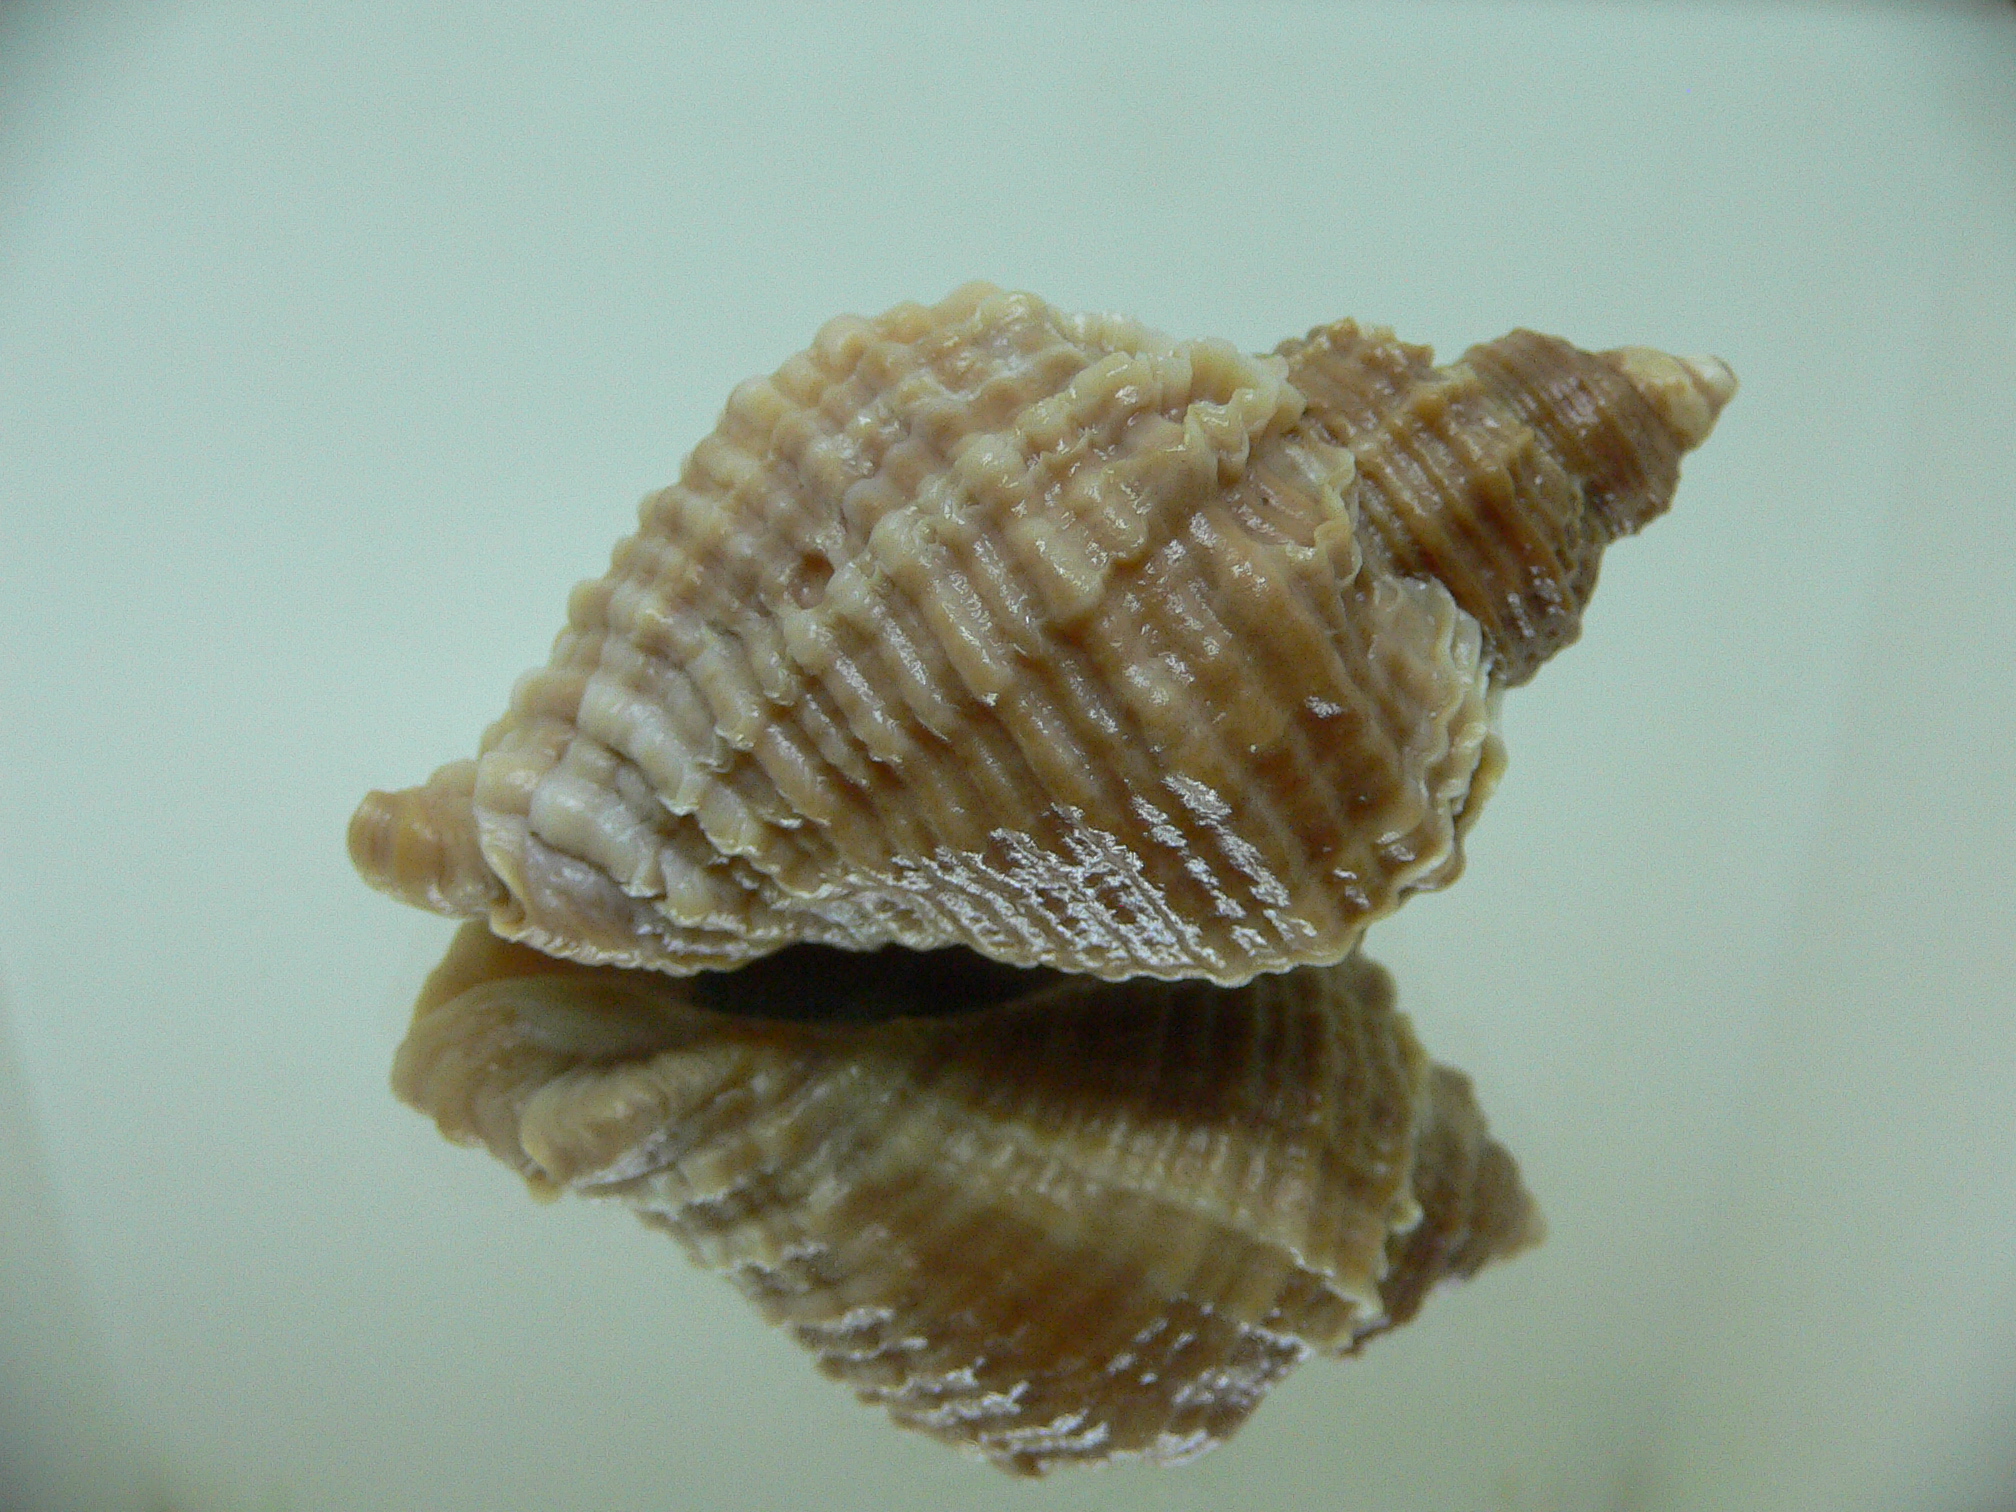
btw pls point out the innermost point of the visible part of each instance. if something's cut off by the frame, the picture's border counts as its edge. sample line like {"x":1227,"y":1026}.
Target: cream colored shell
{"x":1046,"y":635}
{"x":1081,"y":1222}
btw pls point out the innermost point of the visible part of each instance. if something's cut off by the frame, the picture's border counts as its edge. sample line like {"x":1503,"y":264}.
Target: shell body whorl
{"x":1045,"y":635}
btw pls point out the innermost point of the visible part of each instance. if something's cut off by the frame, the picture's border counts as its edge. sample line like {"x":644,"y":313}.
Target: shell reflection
{"x":1067,"y":1221}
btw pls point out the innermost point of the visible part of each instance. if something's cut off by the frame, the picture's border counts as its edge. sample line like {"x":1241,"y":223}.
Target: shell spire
{"x":1505,"y":475}
{"x":1044,"y":634}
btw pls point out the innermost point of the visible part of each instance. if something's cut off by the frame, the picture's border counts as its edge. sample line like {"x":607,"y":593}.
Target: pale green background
{"x":335,"y":345}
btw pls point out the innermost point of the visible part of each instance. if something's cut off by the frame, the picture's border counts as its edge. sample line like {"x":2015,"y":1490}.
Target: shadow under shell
{"x":823,"y":984}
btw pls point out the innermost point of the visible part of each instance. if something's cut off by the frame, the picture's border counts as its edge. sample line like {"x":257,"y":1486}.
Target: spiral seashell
{"x":1063,"y":1221}
{"x":1042,"y":634}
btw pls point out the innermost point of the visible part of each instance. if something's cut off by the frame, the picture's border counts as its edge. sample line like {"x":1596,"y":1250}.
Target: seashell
{"x":995,"y":747}
{"x":1063,"y":1222}
{"x":1041,"y":634}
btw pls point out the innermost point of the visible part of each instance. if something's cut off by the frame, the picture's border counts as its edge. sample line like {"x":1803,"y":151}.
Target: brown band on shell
{"x":1503,"y":476}
{"x":1617,"y":444}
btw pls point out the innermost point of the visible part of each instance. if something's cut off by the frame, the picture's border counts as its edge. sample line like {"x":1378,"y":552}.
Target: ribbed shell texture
{"x":1045,"y":635}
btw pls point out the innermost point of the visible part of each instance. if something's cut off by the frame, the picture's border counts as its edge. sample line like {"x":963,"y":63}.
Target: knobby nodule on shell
{"x":926,"y":878}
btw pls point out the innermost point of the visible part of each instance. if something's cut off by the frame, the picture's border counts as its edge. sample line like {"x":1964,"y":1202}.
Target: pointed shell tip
{"x":1687,"y":392}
